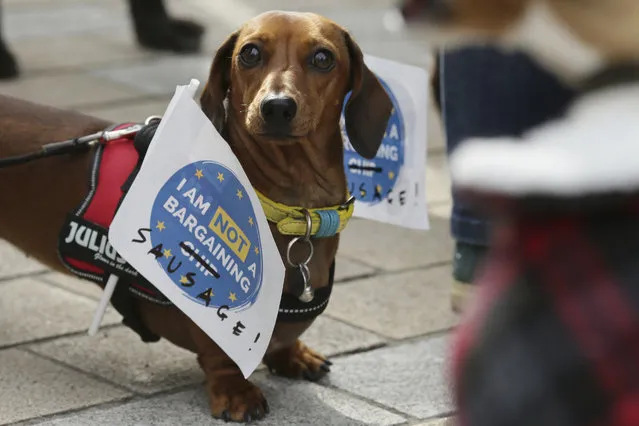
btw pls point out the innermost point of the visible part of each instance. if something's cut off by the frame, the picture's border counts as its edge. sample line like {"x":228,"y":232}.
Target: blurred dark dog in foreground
{"x":552,"y":338}
{"x":154,"y":29}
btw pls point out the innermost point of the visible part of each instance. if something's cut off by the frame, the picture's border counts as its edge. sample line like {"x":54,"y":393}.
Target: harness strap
{"x":290,"y":220}
{"x":121,"y":298}
{"x":293,"y":310}
{"x":123,"y":303}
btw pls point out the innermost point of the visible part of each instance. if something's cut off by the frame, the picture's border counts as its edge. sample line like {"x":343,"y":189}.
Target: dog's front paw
{"x":235,"y":398}
{"x":298,"y":361}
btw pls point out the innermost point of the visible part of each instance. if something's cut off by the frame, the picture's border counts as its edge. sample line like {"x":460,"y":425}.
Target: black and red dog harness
{"x":84,"y":248}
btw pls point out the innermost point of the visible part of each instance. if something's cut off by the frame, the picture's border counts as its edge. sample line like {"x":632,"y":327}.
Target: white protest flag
{"x":193,"y":226}
{"x":391,"y":187}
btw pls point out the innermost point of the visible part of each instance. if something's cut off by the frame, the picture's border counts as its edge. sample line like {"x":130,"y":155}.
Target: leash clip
{"x":111,"y":135}
{"x":152,"y":118}
{"x":307,"y":294}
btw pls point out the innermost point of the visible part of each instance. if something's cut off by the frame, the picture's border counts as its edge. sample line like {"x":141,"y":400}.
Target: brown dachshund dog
{"x":284,"y":78}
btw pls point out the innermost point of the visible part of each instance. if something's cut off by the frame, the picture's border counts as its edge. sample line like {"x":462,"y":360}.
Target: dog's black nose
{"x":278,"y":111}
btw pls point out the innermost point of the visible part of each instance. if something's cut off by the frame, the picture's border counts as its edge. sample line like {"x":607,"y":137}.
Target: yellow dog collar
{"x":291,"y":220}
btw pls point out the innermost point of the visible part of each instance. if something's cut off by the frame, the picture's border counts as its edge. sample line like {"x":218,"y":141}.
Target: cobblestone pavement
{"x":388,"y":323}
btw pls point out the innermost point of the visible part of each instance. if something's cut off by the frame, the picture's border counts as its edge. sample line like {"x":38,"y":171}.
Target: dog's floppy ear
{"x":368,"y":109}
{"x":217,"y":86}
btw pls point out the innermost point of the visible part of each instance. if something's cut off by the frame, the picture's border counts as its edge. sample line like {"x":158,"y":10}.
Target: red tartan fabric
{"x":553,"y":337}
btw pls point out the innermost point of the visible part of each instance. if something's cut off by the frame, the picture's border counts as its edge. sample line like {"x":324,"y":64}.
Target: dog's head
{"x":286,"y":76}
{"x":572,"y":38}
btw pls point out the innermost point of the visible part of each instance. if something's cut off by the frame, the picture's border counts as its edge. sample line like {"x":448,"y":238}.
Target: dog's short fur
{"x":295,"y":158}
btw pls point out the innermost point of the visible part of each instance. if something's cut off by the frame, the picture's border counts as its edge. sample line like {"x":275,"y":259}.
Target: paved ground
{"x":388,"y":323}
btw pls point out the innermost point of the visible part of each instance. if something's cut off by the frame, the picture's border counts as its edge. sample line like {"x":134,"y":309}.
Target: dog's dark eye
{"x":323,"y":60}
{"x":250,"y":55}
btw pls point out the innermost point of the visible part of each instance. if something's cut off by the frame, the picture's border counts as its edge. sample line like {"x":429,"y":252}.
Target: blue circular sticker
{"x":370,"y":181}
{"x":206,"y":238}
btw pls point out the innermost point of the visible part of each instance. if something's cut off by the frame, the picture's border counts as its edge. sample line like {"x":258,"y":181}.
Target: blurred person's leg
{"x":8,"y":64}
{"x":154,"y":29}
{"x":486,"y":93}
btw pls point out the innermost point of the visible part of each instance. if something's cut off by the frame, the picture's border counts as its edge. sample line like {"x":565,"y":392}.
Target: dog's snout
{"x":278,"y":111}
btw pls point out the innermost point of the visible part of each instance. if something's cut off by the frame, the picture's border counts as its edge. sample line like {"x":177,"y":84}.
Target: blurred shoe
{"x":174,"y":35}
{"x":156,"y":30}
{"x":466,"y":261}
{"x":8,"y":64}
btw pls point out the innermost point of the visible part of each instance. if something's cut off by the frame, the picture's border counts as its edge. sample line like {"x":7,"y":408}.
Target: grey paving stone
{"x":31,"y":387}
{"x":346,"y":269}
{"x":31,"y":309}
{"x":72,"y":284}
{"x":397,"y":305}
{"x":364,"y":23}
{"x":329,"y":337}
{"x":67,"y":90}
{"x":64,"y":19}
{"x":74,"y":51}
{"x":121,"y":357}
{"x":438,"y":185}
{"x":439,"y":422}
{"x":161,"y":76}
{"x":14,"y":5}
{"x":130,"y":111}
{"x":411,"y":378}
{"x":405,"y":51}
{"x":436,"y":138}
{"x":14,"y":262}
{"x":441,"y":210}
{"x":393,"y":248}
{"x":291,"y":403}
{"x":287,"y":4}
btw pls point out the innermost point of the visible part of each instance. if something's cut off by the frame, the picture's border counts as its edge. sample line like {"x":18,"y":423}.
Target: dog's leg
{"x":232,"y":397}
{"x":292,"y":358}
